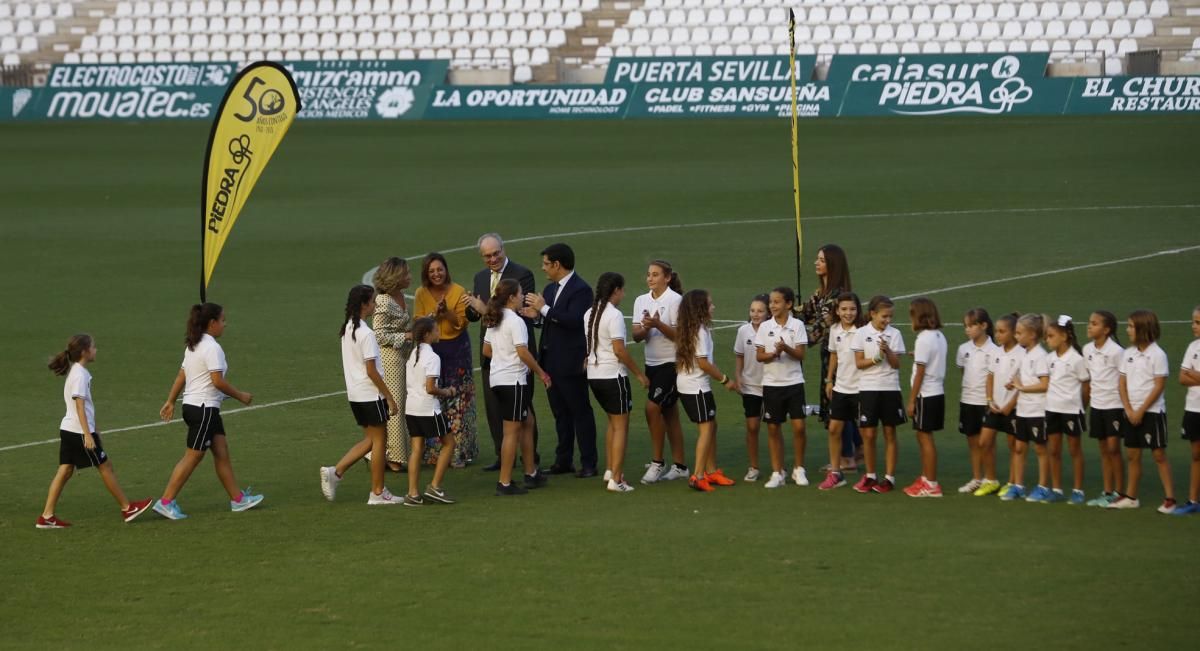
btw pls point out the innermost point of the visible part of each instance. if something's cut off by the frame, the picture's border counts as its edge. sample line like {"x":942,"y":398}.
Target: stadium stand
{"x":542,"y":40}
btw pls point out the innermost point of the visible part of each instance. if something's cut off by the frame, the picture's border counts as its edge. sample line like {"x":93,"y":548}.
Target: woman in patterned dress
{"x":446,"y":302}
{"x":392,"y":325}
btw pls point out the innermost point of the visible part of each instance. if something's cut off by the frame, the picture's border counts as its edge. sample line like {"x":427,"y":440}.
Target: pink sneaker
{"x":865,"y":485}
{"x":922,"y":488}
{"x":832,"y":480}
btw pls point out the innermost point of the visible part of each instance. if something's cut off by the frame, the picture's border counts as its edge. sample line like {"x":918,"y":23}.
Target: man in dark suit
{"x":562,"y":354}
{"x":498,"y":267}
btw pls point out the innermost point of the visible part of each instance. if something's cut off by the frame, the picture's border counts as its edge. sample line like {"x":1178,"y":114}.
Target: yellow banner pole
{"x":795,"y":144}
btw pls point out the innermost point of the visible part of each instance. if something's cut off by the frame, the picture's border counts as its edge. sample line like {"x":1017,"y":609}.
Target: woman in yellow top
{"x":446,"y":302}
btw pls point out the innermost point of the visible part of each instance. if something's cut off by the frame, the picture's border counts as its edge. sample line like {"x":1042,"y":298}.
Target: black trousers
{"x":573,"y":419}
{"x":495,"y":421}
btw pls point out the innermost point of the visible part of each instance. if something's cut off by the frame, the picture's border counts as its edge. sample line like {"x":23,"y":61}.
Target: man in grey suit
{"x":498,"y":267}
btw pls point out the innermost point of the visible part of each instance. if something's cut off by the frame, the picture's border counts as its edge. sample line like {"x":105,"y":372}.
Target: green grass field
{"x":98,"y":234}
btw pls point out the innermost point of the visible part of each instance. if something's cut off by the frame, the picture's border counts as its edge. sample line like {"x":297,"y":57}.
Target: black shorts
{"x":929,"y":413}
{"x":1106,"y":423}
{"x":514,"y":400}
{"x":780,"y":403}
{"x":203,"y":424}
{"x":1191,"y":426}
{"x":1069,"y":424}
{"x":72,"y":453}
{"x":1000,"y":422}
{"x":614,"y":395}
{"x":971,"y":418}
{"x":1032,"y":430}
{"x":752,"y":406}
{"x":371,"y":413}
{"x":662,"y":385}
{"x":875,"y":407}
{"x":1151,"y":433}
{"x":700,"y":407}
{"x":844,"y":407}
{"x":427,"y":427}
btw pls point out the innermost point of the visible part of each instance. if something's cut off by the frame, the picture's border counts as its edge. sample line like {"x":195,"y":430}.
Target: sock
{"x":661,"y":462}
{"x":1058,"y":490}
{"x":890,"y":478}
{"x":165,"y":502}
{"x":1169,"y":500}
{"x":241,"y":496}
{"x":871,"y":475}
{"x":928,"y":481}
{"x":1019,"y":487}
{"x":681,"y":466}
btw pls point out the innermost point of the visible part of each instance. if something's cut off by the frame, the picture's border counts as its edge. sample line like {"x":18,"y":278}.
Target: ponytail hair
{"x":980,"y":315}
{"x":693,"y":316}
{"x":673,"y":281}
{"x":505,"y":290}
{"x":198,"y":320}
{"x":1110,"y":321}
{"x":421,"y":329}
{"x":1065,"y":325}
{"x":1034,"y":322}
{"x":359,"y":296}
{"x":1010,"y":320}
{"x":76,"y":346}
{"x":609,"y":283}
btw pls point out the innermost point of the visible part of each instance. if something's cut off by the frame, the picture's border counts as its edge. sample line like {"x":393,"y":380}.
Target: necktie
{"x":495,"y":281}
{"x":557,"y":291}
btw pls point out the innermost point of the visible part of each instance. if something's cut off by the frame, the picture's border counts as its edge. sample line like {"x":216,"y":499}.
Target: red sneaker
{"x":865,"y":485}
{"x":718,"y":478}
{"x":135,"y":509}
{"x":701,"y":484}
{"x":884,"y":486}
{"x":922,"y":488}
{"x":51,"y":522}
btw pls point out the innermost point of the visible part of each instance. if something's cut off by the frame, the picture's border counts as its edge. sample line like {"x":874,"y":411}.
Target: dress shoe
{"x":560,"y":470}
{"x":492,"y":468}
{"x":584,"y":473}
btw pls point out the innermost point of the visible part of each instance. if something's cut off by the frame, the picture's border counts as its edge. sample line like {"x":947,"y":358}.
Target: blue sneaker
{"x":1055,"y":496}
{"x":247,"y":502}
{"x":1188,"y":508}
{"x":1014,"y":492}
{"x":169,"y":511}
{"x":1077,"y":498}
{"x":1039,"y":494}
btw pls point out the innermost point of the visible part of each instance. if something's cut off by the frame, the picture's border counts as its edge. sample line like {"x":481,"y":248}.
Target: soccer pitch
{"x":98,"y":234}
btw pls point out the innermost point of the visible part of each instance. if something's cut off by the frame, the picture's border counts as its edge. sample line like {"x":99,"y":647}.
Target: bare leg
{"x":892,"y":448}
{"x":1106,"y":470}
{"x":619,"y":427}
{"x":183,"y":470}
{"x":378,"y":436}
{"x":59,"y":482}
{"x":443,"y":462}
{"x":703,"y":446}
{"x":710,"y":463}
{"x":224,"y":468}
{"x":109,"y":477}
{"x":752,"y":427}
{"x":835,"y":444}
{"x":1075,"y":447}
{"x":526,"y":432}
{"x":976,"y":454}
{"x":1194,"y":487}
{"x":1115,"y":461}
{"x":928,"y":455}
{"x":658,"y":428}
{"x":869,"y":449}
{"x":1043,"y":463}
{"x":675,"y":435}
{"x":987,"y":453}
{"x":353,"y":455}
{"x":508,"y":449}
{"x":1054,"y":448}
{"x":1135,"y":471}
{"x":1018,"y":461}
{"x":799,"y":440}
{"x":1164,"y":473}
{"x":416,"y":452}
{"x":775,"y":446}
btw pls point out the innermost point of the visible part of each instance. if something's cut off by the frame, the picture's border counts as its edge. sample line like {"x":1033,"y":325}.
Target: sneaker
{"x":832,"y":480}
{"x":384,"y":498}
{"x":414,"y":500}
{"x":922,"y":488}
{"x":718,"y":478}
{"x":51,"y":522}
{"x":654,"y":473}
{"x":1077,"y":498}
{"x":1005,"y":488}
{"x":881,"y":487}
{"x":751,"y":475}
{"x":865,"y":484}
{"x":536,"y":480}
{"x":1039,"y":494}
{"x":135,"y":509}
{"x":438,"y":495}
{"x":619,"y":487}
{"x":1188,"y":508}
{"x":1014,"y":492}
{"x":329,"y":482}
{"x":607,"y":476}
{"x":776,"y":480}
{"x":701,"y":484}
{"x":676,"y":472}
{"x":972,"y":486}
{"x":799,"y":476}
{"x":1053,"y":497}
{"x":1124,"y":502}
{"x":511,"y":489}
{"x":1103,"y":500}
{"x":1168,"y":507}
{"x":987,"y":487}
{"x":169,"y":511}
{"x":246,"y":502}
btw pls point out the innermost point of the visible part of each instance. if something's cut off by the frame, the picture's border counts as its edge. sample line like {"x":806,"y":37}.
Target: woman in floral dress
{"x":392,"y":324}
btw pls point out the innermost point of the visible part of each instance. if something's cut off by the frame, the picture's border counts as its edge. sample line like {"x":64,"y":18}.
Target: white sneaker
{"x":971,"y":486}
{"x":752,"y":474}
{"x":676,"y":473}
{"x":329,"y":482}
{"x":384,"y":499}
{"x":654,"y":473}
{"x":777,"y":479}
{"x":607,"y":476}
{"x":1167,"y":508}
{"x":621,"y":487}
{"x":1124,"y":503}
{"x":799,"y":476}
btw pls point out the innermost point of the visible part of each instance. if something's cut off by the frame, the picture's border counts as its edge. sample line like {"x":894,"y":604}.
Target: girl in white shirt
{"x":841,"y":385}
{"x":1189,"y":376}
{"x":423,"y":413}
{"x":371,"y":400}
{"x":1103,"y":357}
{"x":877,"y":349}
{"x":1002,"y":401}
{"x":1030,"y":384}
{"x":694,"y":354}
{"x":655,"y":315}
{"x":506,"y":343}
{"x":974,"y":358}
{"x":608,"y":366}
{"x":927,"y":397}
{"x":201,"y":379}
{"x":781,"y":343}
{"x":748,"y":372}
{"x":79,"y":442}
{"x":1069,"y":380}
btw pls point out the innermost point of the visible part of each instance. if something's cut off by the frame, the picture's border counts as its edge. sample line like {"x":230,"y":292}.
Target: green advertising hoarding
{"x":1123,"y":95}
{"x":527,"y":102}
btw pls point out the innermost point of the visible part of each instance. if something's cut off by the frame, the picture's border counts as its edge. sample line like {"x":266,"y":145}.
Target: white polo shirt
{"x":841,"y":341}
{"x":1034,"y":366}
{"x":1140,"y":368}
{"x":696,"y":381}
{"x":1068,"y":372}
{"x":930,"y":351}
{"x":602,"y":363}
{"x":78,"y":385}
{"x":422,"y":364}
{"x":880,"y":377}
{"x":975,"y":362}
{"x":208,"y":357}
{"x":1191,"y":361}
{"x":507,"y":368}
{"x":752,"y":369}
{"x":358,"y":348}
{"x":784,"y":370}
{"x":659,"y":349}
{"x":1104,"y":366}
{"x":1005,"y":365}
